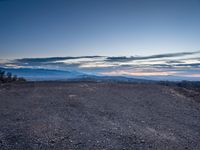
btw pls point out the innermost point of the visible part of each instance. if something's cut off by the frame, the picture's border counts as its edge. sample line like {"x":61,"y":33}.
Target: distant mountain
{"x":108,"y":79}
{"x":42,"y":74}
{"x":47,"y":74}
{"x":31,"y":74}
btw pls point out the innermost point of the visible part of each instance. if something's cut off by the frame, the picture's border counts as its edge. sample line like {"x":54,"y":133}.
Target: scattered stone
{"x":142,"y":141}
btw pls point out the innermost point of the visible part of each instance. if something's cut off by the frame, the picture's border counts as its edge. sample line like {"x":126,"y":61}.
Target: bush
{"x":21,"y":79}
{"x":8,"y":77}
{"x":2,"y":76}
{"x":14,"y":78}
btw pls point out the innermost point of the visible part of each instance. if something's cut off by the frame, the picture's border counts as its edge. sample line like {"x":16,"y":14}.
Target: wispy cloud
{"x":171,"y":64}
{"x":129,"y":73}
{"x":169,"y":55}
{"x":51,"y":59}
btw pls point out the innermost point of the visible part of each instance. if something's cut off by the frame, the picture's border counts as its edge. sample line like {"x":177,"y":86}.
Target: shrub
{"x":21,"y":79}
{"x":14,"y":78}
{"x":8,"y":77}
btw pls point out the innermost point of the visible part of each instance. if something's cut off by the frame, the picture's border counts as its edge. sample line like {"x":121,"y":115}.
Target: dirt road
{"x":97,"y":116}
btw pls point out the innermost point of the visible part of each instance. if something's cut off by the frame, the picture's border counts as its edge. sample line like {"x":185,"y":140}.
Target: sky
{"x":150,"y":39}
{"x":57,"y":28}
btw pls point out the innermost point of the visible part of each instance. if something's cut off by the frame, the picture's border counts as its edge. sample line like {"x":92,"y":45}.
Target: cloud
{"x":174,"y":62}
{"x":169,"y":55}
{"x":51,"y":62}
{"x":51,"y":59}
{"x":184,"y":63}
{"x":189,"y":65}
{"x":143,"y":73}
{"x":102,"y":61}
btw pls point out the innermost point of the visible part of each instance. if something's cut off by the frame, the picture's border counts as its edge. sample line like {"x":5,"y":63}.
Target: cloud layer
{"x":185,"y":64}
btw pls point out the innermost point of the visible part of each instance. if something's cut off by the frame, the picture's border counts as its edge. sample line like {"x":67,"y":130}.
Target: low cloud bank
{"x":172,"y":64}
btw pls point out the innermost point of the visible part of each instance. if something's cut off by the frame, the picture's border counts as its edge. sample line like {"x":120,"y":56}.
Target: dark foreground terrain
{"x":97,"y":116}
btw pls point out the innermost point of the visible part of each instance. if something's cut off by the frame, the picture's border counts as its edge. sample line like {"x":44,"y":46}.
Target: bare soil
{"x":97,"y":116}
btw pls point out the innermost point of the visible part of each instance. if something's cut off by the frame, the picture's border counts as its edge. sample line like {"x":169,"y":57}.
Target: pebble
{"x":142,"y":141}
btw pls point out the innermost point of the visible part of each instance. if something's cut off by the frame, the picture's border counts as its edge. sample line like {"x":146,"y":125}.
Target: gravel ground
{"x":97,"y":116}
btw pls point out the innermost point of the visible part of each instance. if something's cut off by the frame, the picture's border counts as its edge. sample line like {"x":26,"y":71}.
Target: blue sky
{"x":49,"y":28}
{"x":133,"y":38}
